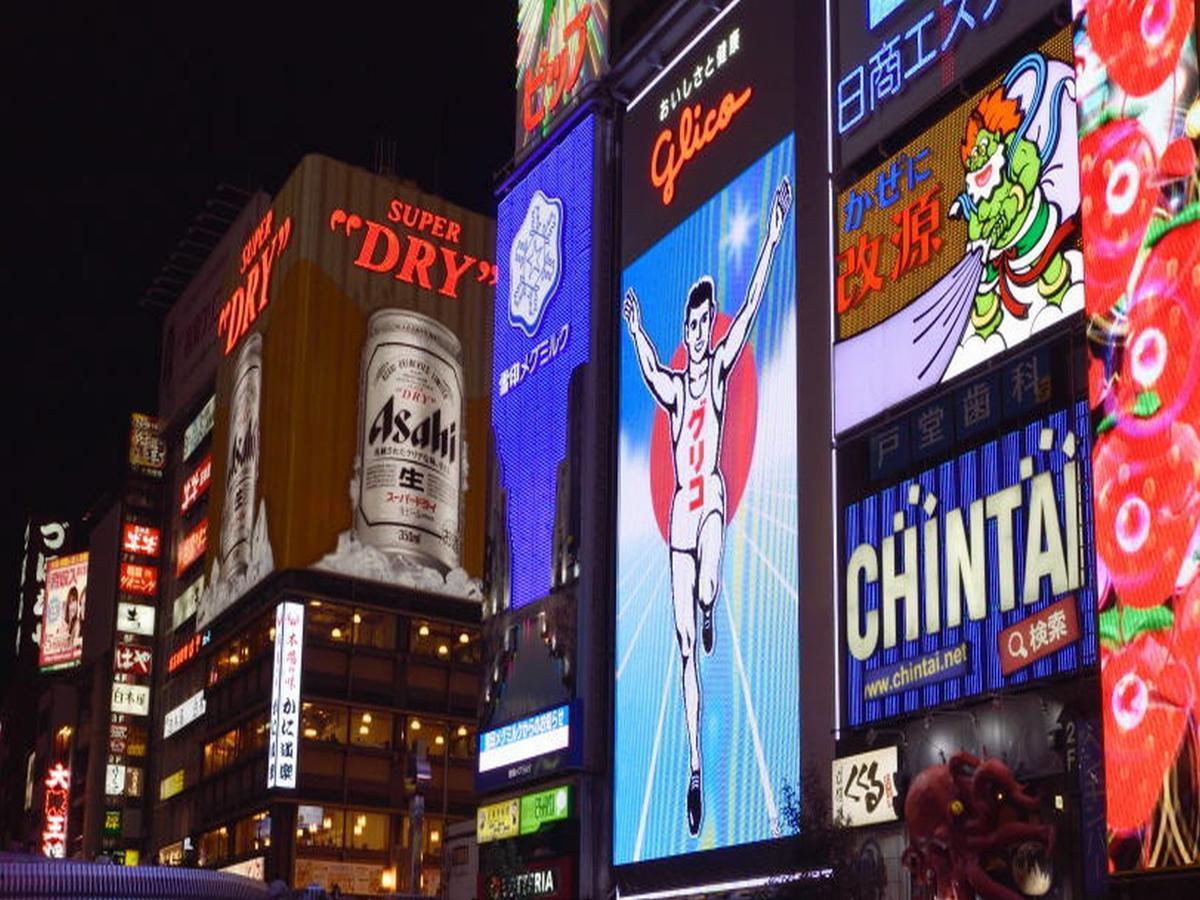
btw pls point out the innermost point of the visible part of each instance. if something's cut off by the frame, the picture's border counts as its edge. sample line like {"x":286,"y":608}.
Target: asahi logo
{"x":394,"y":426}
{"x":245,"y":448}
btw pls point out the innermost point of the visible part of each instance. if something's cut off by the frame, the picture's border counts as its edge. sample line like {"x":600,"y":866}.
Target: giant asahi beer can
{"x":410,"y":439}
{"x":242,"y":457}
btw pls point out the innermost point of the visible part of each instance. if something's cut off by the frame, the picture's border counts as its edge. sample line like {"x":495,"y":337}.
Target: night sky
{"x":119,"y":125}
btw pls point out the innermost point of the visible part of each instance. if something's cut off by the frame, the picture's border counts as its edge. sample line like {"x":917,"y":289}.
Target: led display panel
{"x":63,"y":610}
{"x":706,"y":731}
{"x":542,"y":335}
{"x":972,"y":576}
{"x":894,"y":58}
{"x":964,"y":243}
{"x":561,"y":46}
{"x":1139,"y":121}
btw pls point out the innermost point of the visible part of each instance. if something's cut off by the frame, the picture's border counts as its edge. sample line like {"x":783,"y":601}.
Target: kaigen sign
{"x":561,"y":46}
{"x":864,"y":788}
{"x":1139,"y":120}
{"x":542,"y":336}
{"x":284,"y":742}
{"x":972,"y":576}
{"x":964,"y":243}
{"x":63,"y":610}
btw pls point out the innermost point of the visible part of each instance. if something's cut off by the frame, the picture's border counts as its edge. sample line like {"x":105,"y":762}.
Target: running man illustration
{"x":694,"y":401}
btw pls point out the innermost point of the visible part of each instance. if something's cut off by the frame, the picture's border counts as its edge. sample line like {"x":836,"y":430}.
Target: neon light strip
{"x":720,"y":887}
{"x":682,"y":53}
{"x":524,"y":749}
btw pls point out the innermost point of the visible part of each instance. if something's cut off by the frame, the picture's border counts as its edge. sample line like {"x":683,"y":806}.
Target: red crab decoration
{"x":957,"y":815}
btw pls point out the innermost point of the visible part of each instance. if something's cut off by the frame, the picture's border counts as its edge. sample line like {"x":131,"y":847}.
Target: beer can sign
{"x":410,"y":458}
{"x":241,"y":464}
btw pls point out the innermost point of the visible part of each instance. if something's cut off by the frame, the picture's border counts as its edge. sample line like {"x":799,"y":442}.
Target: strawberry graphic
{"x":1146,"y":695}
{"x":1139,"y":40}
{"x":1117,"y":166}
{"x":1147,"y":507}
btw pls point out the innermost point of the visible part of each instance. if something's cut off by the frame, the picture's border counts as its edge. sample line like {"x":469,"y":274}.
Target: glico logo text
{"x":697,"y":129}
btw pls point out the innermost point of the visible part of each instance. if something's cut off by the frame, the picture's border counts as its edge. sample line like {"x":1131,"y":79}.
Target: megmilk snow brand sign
{"x":542,"y":335}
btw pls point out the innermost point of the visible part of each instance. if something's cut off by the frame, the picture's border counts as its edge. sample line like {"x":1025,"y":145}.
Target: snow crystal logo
{"x":535,"y":263}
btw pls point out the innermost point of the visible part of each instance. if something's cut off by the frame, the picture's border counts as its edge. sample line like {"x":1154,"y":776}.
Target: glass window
{"x":435,"y":733}
{"x":468,"y":647}
{"x":434,"y":834}
{"x":319,"y":826}
{"x":255,"y":734}
{"x":374,"y":629}
{"x":241,"y":649}
{"x":366,"y":830}
{"x":319,"y":722}
{"x":430,"y":639}
{"x":252,"y":833}
{"x":214,"y":846}
{"x":328,"y":622}
{"x":462,"y":742}
{"x":220,"y":752}
{"x":370,"y":728}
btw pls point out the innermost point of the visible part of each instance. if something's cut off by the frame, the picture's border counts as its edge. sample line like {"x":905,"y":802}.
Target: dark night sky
{"x":123,"y":123}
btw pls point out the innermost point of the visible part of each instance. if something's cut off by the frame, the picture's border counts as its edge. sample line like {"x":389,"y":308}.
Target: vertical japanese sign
{"x":56,"y":811}
{"x":542,"y":337}
{"x":893,"y":58}
{"x":1139,"y":122}
{"x":973,"y":575}
{"x":43,"y":541}
{"x":706,"y":709}
{"x":864,"y":787}
{"x":962,"y":245}
{"x":561,"y":46}
{"x":284,"y":743}
{"x":63,"y":611}
{"x":147,"y":449}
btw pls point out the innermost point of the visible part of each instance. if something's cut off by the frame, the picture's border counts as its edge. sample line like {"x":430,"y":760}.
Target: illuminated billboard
{"x":284,"y":741}
{"x":542,"y":336}
{"x":963,"y":243}
{"x":893,"y":58}
{"x":63,"y":610}
{"x":353,"y":391}
{"x":561,"y":46}
{"x":1139,"y":120}
{"x":973,"y":576}
{"x":56,"y":811}
{"x":706,"y":730}
{"x":147,"y":449}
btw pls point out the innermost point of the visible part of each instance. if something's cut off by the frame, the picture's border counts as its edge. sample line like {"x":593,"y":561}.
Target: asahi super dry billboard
{"x":352,"y":398}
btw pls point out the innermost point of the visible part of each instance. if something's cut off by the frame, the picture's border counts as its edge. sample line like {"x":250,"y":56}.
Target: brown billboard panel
{"x":353,"y":288}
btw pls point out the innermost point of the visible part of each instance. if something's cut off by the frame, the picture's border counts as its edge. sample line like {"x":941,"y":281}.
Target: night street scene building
{"x":789,"y":486}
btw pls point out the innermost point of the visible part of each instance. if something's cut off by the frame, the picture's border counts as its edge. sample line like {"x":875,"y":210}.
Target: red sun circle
{"x":737,"y":434}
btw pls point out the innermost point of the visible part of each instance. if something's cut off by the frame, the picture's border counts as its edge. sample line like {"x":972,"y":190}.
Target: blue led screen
{"x":707,"y":732}
{"x":987,"y":561}
{"x":542,"y":335}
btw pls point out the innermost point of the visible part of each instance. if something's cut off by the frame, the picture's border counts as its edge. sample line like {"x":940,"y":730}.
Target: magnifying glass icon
{"x":1016,"y":645}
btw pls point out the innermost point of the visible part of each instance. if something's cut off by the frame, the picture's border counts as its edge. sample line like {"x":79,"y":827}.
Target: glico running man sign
{"x":972,"y":576}
{"x":707,"y":662}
